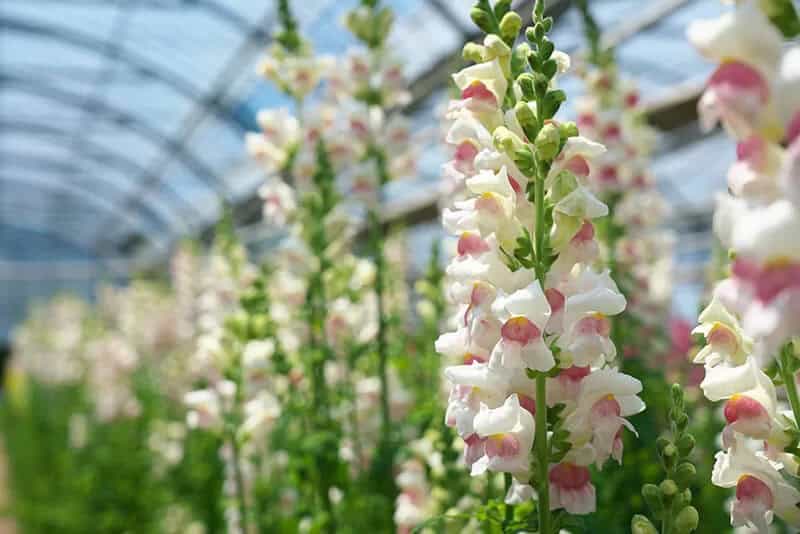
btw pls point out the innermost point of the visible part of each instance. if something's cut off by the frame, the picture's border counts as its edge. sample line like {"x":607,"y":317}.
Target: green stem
{"x":788,"y":379}
{"x":235,"y":420}
{"x":540,"y":441}
{"x":542,"y":456}
{"x":509,"y":509}
{"x":383,"y":356}
{"x":239,"y":481}
{"x":378,"y":241}
{"x":666,"y":524}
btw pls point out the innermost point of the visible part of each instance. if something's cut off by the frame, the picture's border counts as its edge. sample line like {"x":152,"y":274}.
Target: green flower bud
{"x":259,"y":326}
{"x":546,"y":48}
{"x":506,"y":141}
{"x":685,"y":444}
{"x":526,"y":83}
{"x":661,"y":444}
{"x":510,"y":25}
{"x":384,"y":20}
{"x":669,"y":488}
{"x":682,"y":421}
{"x":473,"y":52}
{"x":523,"y":158}
{"x":568,"y":129}
{"x":641,"y":525}
{"x":548,"y":142}
{"x":687,"y":520}
{"x":501,"y":7}
{"x":525,"y":116}
{"x":237,"y":324}
{"x":481,"y":19}
{"x":685,"y":473}
{"x":677,"y":395}
{"x":654,"y":498}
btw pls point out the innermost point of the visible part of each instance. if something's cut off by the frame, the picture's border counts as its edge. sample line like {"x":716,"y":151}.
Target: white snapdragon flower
{"x":524,"y":315}
{"x":761,"y":491}
{"x":507,"y":432}
{"x":605,"y":399}
{"x":592,"y":298}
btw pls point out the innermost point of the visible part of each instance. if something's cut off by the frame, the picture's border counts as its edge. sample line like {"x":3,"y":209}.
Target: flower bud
{"x":685,"y":444}
{"x":501,"y":7}
{"x":682,"y":421}
{"x":258,"y":327}
{"x":687,"y":520}
{"x":495,"y":47}
{"x":510,"y":25}
{"x":526,"y":116}
{"x":548,"y":142}
{"x":506,"y":141}
{"x":641,"y":525}
{"x":668,"y":488}
{"x":384,"y":20}
{"x":654,"y":498}
{"x":481,"y":19}
{"x":237,"y":323}
{"x":677,"y":395}
{"x":685,"y":473}
{"x":523,"y":158}
{"x":526,"y":84}
{"x":473,"y":52}
{"x":568,"y":129}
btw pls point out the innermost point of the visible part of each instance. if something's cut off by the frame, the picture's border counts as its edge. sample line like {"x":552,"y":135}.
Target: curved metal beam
{"x":217,"y":93}
{"x":61,"y":233}
{"x":137,"y":62}
{"x":39,"y":184}
{"x":58,"y":167}
{"x":98,"y":154}
{"x":68,"y":98}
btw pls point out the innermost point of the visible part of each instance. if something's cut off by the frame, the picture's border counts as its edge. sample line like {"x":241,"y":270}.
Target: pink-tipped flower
{"x":571,"y":489}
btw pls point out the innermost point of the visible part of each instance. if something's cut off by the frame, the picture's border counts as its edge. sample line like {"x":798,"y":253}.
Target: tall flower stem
{"x":239,"y":482}
{"x":787,"y":374}
{"x":316,"y":300}
{"x":385,"y":456}
{"x":509,"y":509}
{"x":540,"y":440}
{"x":233,"y":424}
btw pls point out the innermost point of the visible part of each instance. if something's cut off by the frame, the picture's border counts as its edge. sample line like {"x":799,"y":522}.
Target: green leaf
{"x":783,"y":16}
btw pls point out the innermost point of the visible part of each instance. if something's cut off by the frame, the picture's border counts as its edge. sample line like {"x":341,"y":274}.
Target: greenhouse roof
{"x":122,"y":121}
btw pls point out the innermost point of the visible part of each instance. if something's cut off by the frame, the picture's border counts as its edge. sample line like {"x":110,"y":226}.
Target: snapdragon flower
{"x":752,"y":320}
{"x":530,"y":333}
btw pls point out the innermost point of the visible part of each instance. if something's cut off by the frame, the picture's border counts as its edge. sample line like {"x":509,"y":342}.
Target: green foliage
{"x":670,"y":502}
{"x":288,"y":35}
{"x":783,"y":14}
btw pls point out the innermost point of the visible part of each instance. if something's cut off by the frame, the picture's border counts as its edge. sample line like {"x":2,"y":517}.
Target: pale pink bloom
{"x":761,"y":491}
{"x":482,"y":85}
{"x":571,"y":489}
{"x":524,"y":315}
{"x":592,"y":298}
{"x":606,"y":398}
{"x":509,"y":432}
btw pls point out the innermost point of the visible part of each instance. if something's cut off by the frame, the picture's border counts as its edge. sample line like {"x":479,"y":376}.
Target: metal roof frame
{"x":96,"y":153}
{"x":126,"y":120}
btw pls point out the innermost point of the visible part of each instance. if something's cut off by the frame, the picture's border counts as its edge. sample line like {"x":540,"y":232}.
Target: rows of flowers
{"x":518,"y":382}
